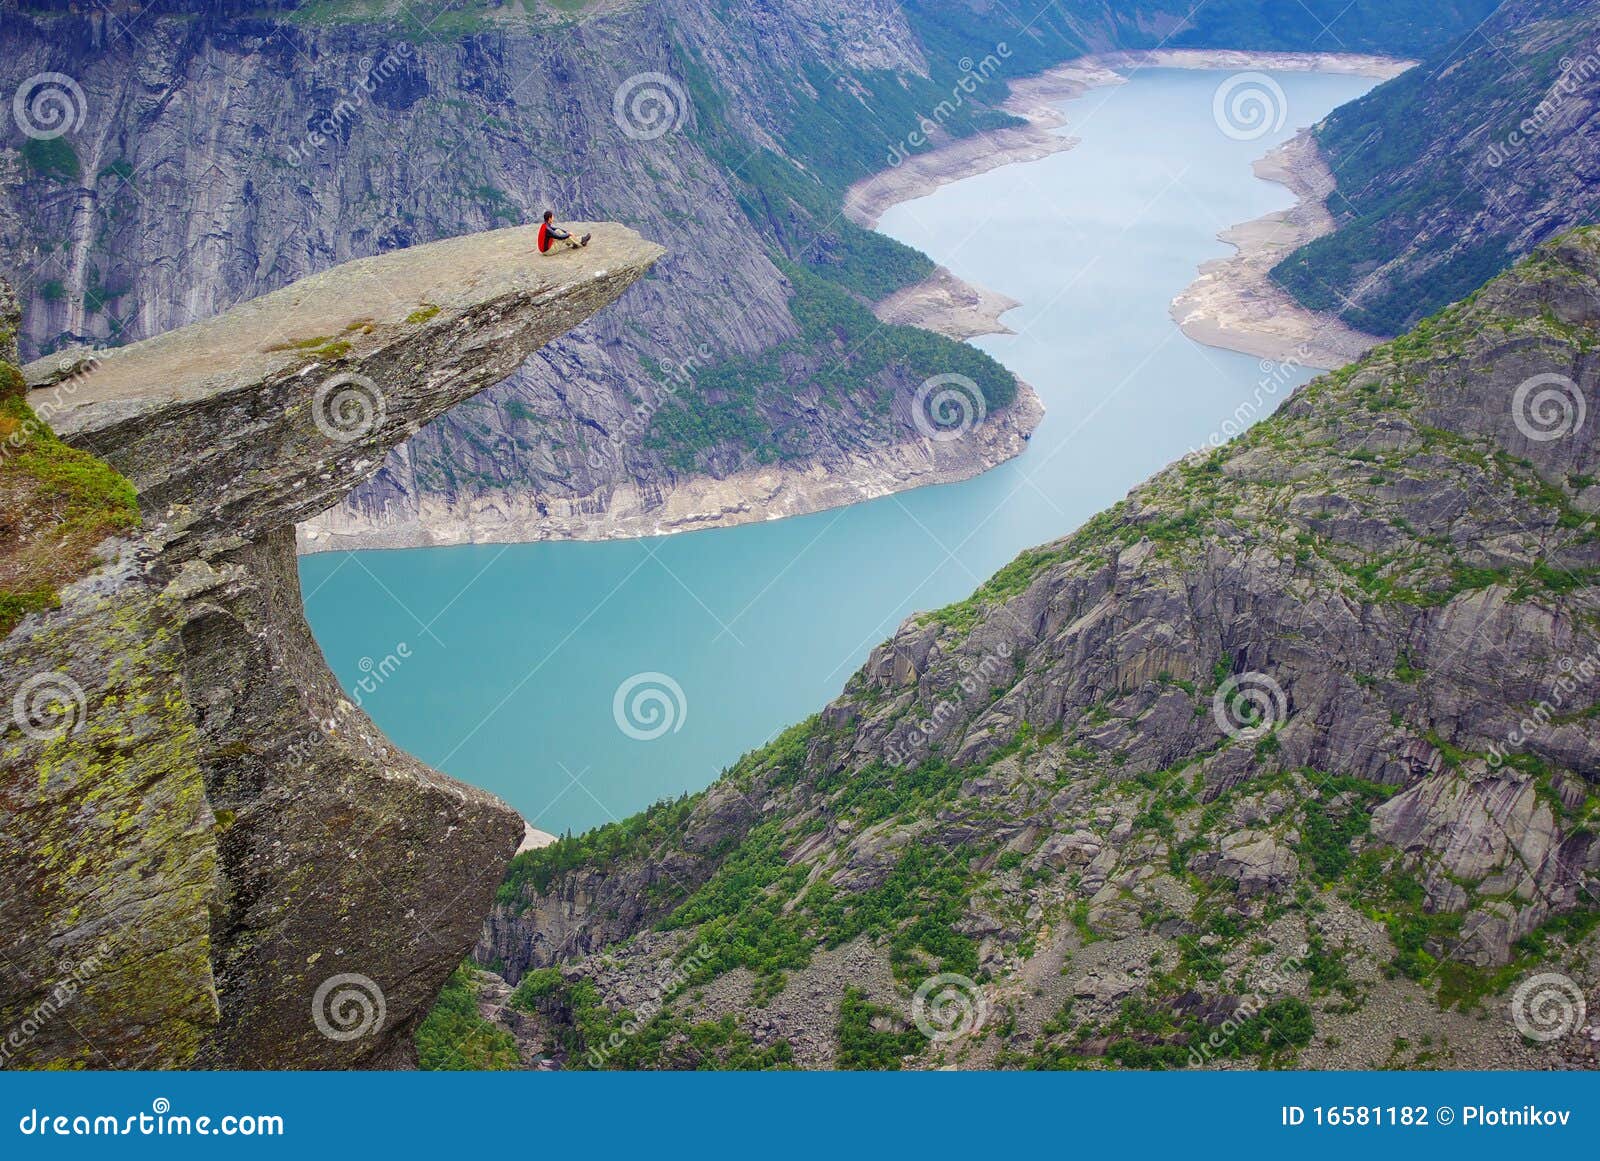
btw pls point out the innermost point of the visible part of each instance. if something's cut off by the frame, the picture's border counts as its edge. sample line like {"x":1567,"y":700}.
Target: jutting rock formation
{"x":209,"y":857}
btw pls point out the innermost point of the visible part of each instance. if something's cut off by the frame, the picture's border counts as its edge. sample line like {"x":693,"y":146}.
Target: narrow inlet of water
{"x":513,"y":656}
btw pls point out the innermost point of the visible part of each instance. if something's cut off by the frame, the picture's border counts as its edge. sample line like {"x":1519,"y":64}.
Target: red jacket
{"x":545,"y":240}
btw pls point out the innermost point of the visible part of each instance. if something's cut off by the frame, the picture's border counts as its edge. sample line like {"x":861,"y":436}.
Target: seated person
{"x":550,"y":234}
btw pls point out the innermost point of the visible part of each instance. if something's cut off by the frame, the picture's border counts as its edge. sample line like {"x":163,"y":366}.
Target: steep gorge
{"x":943,"y":814}
{"x":1299,"y":738}
{"x":222,"y":150}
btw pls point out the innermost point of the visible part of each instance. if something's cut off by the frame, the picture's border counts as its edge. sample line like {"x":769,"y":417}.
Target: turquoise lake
{"x":517,"y":653}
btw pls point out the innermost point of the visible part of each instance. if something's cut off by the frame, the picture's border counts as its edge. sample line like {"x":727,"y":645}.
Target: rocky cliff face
{"x":212,"y":153}
{"x":219,"y":158}
{"x":1291,"y":756}
{"x":211,"y":858}
{"x":1453,"y":171}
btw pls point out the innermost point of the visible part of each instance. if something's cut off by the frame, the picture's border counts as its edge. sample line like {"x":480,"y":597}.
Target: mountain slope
{"x":1288,"y":757}
{"x":1459,"y":167}
{"x":224,"y":150}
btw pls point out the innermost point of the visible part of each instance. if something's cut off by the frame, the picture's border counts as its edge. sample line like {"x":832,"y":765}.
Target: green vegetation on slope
{"x":56,"y":504}
{"x":1428,"y":153}
{"x":800,"y":205}
{"x":534,"y":870}
{"x":863,"y":1046}
{"x":854,"y":356}
{"x":595,"y":1036}
{"x":847,"y":847}
{"x":950,"y":31}
{"x":1188,"y":501}
{"x":52,"y":157}
{"x":454,"y":1037}
{"x":1405,"y":29}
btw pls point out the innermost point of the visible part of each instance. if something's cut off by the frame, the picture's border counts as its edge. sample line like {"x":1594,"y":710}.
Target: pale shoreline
{"x":1230,"y":305}
{"x":1234,"y":304}
{"x":946,"y":305}
{"x":533,"y":838}
{"x":770,"y":492}
{"x":960,"y":158}
{"x":1032,"y":100}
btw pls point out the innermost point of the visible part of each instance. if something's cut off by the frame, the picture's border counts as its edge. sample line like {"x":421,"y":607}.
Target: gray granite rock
{"x":210,"y":857}
{"x":1256,"y":647}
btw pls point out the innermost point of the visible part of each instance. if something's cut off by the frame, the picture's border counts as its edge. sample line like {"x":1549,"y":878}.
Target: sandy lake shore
{"x":1232,"y":304}
{"x":533,"y":838}
{"x":1235,"y":304}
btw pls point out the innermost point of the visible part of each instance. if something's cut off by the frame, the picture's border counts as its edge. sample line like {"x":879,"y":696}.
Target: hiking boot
{"x":584,"y":241}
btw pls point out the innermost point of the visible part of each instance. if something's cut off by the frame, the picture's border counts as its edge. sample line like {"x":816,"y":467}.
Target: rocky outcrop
{"x":211,"y":858}
{"x":599,"y":906}
{"x":220,"y":157}
{"x":1304,"y":726}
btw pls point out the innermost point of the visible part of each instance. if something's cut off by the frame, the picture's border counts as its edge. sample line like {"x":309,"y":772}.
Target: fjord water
{"x":501,"y":664}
